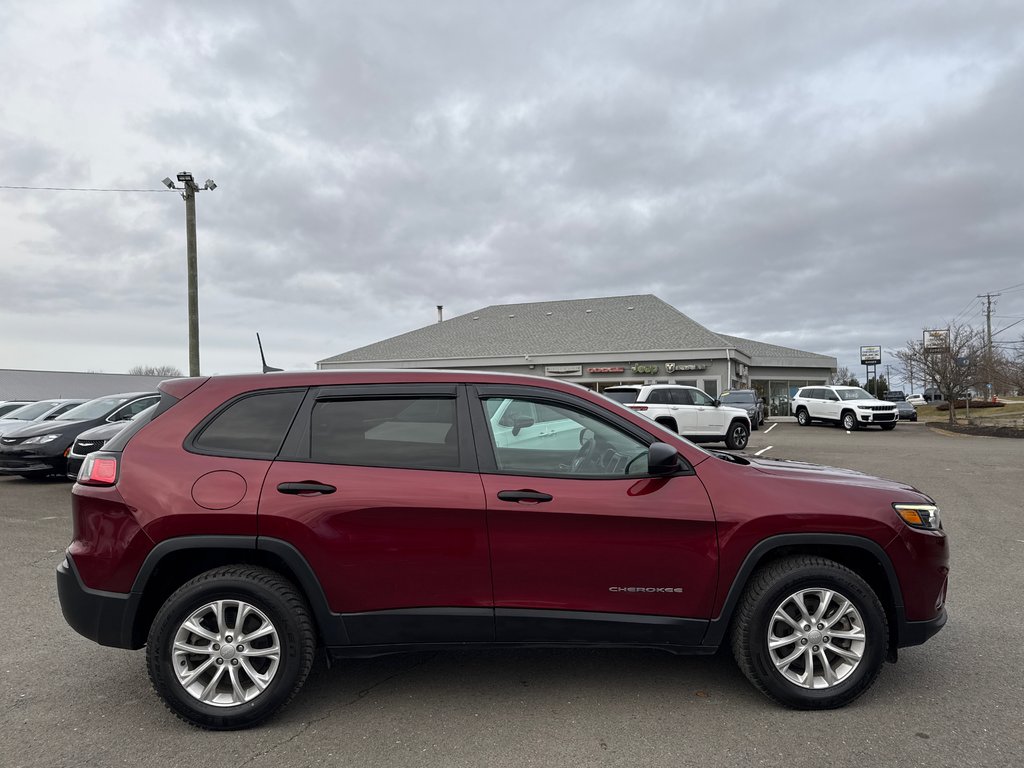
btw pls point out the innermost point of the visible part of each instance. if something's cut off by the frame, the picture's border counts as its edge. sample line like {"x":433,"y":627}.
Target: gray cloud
{"x":788,"y":171}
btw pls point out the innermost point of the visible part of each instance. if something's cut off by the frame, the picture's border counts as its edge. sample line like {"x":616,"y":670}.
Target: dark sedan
{"x":906,"y":411}
{"x":38,"y":450}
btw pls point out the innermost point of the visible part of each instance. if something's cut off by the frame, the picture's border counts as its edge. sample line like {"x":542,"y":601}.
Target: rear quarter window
{"x":253,"y":426}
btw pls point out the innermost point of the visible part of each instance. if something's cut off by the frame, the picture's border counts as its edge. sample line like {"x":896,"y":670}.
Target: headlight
{"x":40,"y":439}
{"x":924,"y":516}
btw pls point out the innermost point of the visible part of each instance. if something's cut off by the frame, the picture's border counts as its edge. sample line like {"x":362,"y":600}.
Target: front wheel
{"x":849,"y":421}
{"x":231,"y":647}
{"x":887,"y":427}
{"x":810,"y":633}
{"x":737,"y":437}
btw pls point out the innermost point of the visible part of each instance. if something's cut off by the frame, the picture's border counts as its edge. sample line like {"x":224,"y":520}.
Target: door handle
{"x":307,"y":487}
{"x":525,"y":495}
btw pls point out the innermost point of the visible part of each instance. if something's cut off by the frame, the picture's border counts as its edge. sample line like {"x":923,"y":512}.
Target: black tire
{"x":848,"y":421}
{"x":39,"y":475}
{"x":803,"y":418}
{"x":738,"y":436}
{"x":274,"y":599}
{"x":769,"y":589}
{"x":888,"y":427}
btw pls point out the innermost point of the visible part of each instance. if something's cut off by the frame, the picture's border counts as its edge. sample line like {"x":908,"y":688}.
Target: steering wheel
{"x":583,"y":454}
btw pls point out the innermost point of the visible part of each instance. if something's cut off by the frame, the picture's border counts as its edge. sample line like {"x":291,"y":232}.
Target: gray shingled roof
{"x":42,"y":385}
{"x":766,"y":352}
{"x":610,"y":324}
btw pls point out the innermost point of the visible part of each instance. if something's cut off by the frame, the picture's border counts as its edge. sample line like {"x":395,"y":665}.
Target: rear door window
{"x":403,"y":432}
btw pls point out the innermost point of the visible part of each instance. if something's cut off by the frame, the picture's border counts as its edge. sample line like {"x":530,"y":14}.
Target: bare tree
{"x":169,"y":371}
{"x":953,"y":369}
{"x":841,"y":376}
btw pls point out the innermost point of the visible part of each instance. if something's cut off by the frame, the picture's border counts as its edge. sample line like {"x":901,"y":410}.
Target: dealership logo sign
{"x":563,"y":370}
{"x":648,"y":368}
{"x":606,"y":370}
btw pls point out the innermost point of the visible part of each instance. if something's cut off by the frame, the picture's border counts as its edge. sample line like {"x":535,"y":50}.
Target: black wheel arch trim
{"x":331,"y":625}
{"x":718,"y":626}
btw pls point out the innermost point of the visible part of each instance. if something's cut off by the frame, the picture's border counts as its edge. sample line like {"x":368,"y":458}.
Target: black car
{"x":92,"y":440}
{"x":38,"y":450}
{"x":906,"y":411}
{"x":748,"y":400}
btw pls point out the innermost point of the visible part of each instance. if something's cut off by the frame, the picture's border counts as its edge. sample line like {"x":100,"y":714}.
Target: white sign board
{"x":870,"y":355}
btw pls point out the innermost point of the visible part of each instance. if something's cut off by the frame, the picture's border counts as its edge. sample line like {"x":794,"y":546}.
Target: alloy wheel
{"x":816,"y":638}
{"x":226,"y":653}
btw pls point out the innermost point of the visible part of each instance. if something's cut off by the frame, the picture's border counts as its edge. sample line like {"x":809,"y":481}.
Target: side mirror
{"x":519,"y":423}
{"x":662,"y":459}
{"x":717,"y":402}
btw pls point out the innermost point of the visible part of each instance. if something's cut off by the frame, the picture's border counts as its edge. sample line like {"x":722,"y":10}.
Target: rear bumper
{"x":106,"y":618}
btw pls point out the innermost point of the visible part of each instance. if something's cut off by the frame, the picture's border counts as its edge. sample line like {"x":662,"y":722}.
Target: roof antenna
{"x":266,"y":368}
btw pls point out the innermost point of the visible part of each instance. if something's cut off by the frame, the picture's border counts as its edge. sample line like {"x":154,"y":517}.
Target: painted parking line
{"x":773,"y":426}
{"x":763,"y":450}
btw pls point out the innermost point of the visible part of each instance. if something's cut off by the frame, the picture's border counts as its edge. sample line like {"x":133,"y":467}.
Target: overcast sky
{"x":817,"y":175}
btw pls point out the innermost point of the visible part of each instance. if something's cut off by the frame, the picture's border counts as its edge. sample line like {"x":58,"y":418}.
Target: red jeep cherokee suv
{"x":250,"y":519}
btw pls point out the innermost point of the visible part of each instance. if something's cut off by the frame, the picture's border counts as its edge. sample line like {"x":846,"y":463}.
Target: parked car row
{"x":42,"y":445}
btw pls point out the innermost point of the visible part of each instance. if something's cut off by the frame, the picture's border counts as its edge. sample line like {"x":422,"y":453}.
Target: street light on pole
{"x":188,"y":194}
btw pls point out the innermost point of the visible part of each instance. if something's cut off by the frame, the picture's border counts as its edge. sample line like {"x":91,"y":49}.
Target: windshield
{"x":738,"y":397}
{"x":854,"y":394}
{"x":32,"y":411}
{"x":94,"y":409}
{"x":622,"y":395}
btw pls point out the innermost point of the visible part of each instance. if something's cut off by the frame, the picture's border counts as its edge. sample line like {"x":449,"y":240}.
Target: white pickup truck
{"x":691,"y":412}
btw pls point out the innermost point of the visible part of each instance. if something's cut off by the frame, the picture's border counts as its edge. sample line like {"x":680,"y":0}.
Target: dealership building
{"x":597,"y":343}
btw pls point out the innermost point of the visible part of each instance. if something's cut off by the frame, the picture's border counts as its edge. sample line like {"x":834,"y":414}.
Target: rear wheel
{"x":737,"y":437}
{"x":810,"y":633}
{"x":803,"y":418}
{"x":231,"y":647}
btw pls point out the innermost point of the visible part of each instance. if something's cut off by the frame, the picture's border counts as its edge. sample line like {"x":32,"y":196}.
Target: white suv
{"x":849,"y":407}
{"x":691,"y":412}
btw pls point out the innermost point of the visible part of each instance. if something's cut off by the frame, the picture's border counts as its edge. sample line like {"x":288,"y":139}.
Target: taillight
{"x":98,"y":470}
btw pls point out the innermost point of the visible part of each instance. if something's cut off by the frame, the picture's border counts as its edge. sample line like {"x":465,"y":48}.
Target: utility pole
{"x":189,"y":189}
{"x":988,"y":343}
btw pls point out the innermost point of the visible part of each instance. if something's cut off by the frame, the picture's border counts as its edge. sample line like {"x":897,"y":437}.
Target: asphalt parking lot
{"x":958,"y":700}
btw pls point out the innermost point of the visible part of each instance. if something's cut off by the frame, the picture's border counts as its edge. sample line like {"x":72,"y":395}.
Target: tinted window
{"x":133,"y":409}
{"x":621,"y":395}
{"x":253,"y":426}
{"x":682,"y":397}
{"x":660,"y":396}
{"x":387,"y":432}
{"x":738,"y":397}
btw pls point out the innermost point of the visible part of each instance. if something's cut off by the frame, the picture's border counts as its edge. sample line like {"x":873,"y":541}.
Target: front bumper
{"x":917,"y":632}
{"x":17,"y":465}
{"x":106,"y":618}
{"x":883,"y":417}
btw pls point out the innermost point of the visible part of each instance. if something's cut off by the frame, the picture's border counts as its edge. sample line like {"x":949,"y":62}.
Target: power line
{"x":1018,"y":285}
{"x":78,"y":189}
